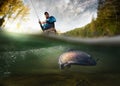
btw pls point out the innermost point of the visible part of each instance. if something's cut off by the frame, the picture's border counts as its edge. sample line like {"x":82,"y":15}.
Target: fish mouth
{"x":63,"y":66}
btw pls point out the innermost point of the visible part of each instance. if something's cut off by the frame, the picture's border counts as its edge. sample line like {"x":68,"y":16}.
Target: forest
{"x":107,"y":22}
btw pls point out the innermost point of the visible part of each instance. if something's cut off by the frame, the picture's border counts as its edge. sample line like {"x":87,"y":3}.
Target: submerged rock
{"x":75,"y":58}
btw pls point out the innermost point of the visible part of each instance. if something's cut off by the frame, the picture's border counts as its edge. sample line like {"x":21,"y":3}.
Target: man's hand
{"x":40,"y":22}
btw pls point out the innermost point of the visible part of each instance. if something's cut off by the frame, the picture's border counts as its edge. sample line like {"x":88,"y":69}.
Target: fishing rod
{"x":37,"y":15}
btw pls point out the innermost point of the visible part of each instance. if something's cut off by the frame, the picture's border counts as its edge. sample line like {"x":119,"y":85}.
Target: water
{"x":37,"y":54}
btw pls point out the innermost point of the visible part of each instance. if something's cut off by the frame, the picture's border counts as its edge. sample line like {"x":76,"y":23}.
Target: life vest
{"x":49,"y":23}
{"x":51,"y":19}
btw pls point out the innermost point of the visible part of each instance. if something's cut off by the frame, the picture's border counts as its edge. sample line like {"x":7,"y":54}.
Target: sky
{"x":70,"y":14}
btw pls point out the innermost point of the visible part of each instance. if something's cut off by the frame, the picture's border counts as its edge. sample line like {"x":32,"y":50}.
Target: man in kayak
{"x":49,"y":24}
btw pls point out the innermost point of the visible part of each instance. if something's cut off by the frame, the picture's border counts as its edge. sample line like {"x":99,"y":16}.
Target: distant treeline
{"x":106,"y":24}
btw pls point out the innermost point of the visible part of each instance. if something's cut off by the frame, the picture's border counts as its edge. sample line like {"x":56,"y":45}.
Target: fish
{"x":75,"y":58}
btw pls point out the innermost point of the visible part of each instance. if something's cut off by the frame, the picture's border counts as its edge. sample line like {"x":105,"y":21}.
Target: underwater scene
{"x":26,"y":62}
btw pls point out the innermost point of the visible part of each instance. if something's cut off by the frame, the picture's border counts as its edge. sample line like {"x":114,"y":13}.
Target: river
{"x":38,"y":54}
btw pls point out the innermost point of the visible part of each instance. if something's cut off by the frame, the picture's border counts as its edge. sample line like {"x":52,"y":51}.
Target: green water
{"x":35,"y":54}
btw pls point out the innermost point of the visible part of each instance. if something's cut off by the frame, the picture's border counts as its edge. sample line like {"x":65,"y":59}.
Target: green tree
{"x":107,"y":22}
{"x":12,"y":9}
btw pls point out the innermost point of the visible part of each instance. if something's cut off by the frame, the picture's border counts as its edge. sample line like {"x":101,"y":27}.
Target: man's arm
{"x":41,"y":25}
{"x":42,"y":22}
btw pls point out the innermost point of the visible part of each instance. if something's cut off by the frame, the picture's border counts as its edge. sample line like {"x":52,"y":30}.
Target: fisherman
{"x":49,"y":24}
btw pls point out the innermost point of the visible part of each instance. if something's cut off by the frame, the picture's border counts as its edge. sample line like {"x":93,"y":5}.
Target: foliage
{"x":13,"y":9}
{"x":106,"y":24}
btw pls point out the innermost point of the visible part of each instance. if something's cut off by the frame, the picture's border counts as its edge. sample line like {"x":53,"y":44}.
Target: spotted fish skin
{"x":75,"y":58}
